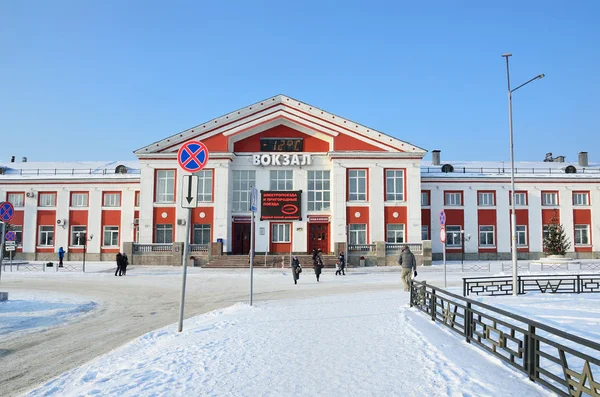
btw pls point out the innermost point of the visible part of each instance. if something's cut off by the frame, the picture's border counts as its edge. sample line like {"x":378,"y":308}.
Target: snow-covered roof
{"x":70,"y":170}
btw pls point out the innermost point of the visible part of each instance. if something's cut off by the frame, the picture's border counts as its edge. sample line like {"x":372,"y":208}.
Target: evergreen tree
{"x":556,"y":242}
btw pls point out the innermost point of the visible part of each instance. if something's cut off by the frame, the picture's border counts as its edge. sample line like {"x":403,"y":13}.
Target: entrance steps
{"x":266,"y":261}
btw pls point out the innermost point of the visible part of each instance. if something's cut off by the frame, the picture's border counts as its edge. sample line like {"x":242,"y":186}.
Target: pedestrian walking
{"x":317,"y":258}
{"x":124,"y":264}
{"x":61,"y":256}
{"x":409,"y":265}
{"x":342,"y":261}
{"x":296,"y":269}
{"x":119,"y":271}
{"x":338,"y":269}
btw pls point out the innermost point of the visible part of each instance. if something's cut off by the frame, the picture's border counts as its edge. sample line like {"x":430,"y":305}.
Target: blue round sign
{"x":10,"y":236}
{"x":192,"y":156}
{"x":7,"y":211}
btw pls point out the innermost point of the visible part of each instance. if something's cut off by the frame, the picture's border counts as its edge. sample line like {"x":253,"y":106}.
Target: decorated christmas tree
{"x":556,"y":241}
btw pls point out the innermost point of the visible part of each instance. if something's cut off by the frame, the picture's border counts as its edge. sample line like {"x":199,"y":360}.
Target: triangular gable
{"x":282,"y":131}
{"x":274,"y":109}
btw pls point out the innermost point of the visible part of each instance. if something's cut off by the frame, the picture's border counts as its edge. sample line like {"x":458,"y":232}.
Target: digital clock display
{"x":281,"y":144}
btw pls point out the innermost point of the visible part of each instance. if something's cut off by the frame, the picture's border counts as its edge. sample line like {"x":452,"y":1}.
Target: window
{"x":164,"y":234}
{"x":521,"y":236}
{"x":112,"y":200}
{"x":549,"y":198}
{"x":78,"y":236}
{"x":282,"y":180}
{"x":357,"y":185}
{"x":453,"y":236}
{"x":242,"y":183}
{"x":16,"y":199}
{"x":394,"y":185}
{"x":395,"y":233}
{"x":201,"y":234}
{"x":111,"y":236}
{"x":486,"y":199}
{"x":582,"y":234}
{"x":580,"y":198}
{"x":280,"y":233}
{"x":79,"y":199}
{"x":453,"y":199}
{"x":136,"y":202}
{"x":136,"y":233}
{"x":205,"y":186}
{"x":165,"y":186}
{"x":18,"y":229}
{"x":520,"y":198}
{"x":47,"y":199}
{"x":424,"y":232}
{"x":545,"y":231}
{"x":358,"y":234}
{"x":318,"y":191}
{"x":46,"y":236}
{"x":486,"y":236}
{"x":425,"y":199}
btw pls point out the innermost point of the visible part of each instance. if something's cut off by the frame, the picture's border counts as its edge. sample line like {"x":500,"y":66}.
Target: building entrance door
{"x":318,"y":237}
{"x":241,"y":239}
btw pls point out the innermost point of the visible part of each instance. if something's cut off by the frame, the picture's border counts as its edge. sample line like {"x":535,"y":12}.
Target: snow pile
{"x":361,"y":344}
{"x":25,"y":312}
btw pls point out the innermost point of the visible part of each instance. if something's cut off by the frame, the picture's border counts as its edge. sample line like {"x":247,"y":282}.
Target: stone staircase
{"x":265,"y":261}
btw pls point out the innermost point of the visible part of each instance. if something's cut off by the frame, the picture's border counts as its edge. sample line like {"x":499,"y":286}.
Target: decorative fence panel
{"x":555,"y":283}
{"x":395,"y":248}
{"x":475,"y":267}
{"x":362,"y":248}
{"x":507,"y":267}
{"x":152,"y":248}
{"x":564,"y":363}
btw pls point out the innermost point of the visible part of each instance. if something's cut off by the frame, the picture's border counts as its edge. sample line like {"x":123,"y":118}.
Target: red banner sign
{"x":318,"y":218}
{"x":278,"y":205}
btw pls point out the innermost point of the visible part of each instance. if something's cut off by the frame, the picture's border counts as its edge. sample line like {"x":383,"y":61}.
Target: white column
{"x":300,"y":238}
{"x":30,"y":228}
{"x":595,"y":226}
{"x":535,"y":227}
{"x":437,"y":204}
{"x":471,"y":219}
{"x":413,"y":200}
{"x":503,"y":238}
{"x":566,"y":215}
{"x":338,"y":203}
{"x":94,"y":221}
{"x":180,"y":213}
{"x":222,"y":200}
{"x":127,"y":215}
{"x":376,"y":204}
{"x":146,"y":203}
{"x":61,"y":232}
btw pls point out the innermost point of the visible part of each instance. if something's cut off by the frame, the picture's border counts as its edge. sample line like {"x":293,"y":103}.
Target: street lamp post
{"x":513,"y":215}
{"x":83,"y":235}
{"x":463,"y":238}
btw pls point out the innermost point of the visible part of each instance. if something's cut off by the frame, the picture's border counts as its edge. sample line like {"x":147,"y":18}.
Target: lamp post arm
{"x":527,"y":82}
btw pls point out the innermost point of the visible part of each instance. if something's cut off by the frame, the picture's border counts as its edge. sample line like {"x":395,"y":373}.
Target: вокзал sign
{"x":278,"y":205}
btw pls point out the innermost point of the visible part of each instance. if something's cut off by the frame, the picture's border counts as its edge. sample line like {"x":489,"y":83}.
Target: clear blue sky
{"x":95,"y":80}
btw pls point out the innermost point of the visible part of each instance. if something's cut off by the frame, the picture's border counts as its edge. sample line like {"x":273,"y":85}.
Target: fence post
{"x":464,"y":287}
{"x":468,"y":322}
{"x":411,"y":291}
{"x":578,"y":288}
{"x":519,"y":286}
{"x":432,"y":308}
{"x":530,"y":354}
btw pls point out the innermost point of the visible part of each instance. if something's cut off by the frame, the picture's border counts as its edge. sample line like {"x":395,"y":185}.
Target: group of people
{"x":122,"y":262}
{"x":406,"y":260}
{"x":317,"y":258}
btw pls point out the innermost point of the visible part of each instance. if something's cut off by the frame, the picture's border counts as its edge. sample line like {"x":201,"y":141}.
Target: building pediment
{"x":240,"y":130}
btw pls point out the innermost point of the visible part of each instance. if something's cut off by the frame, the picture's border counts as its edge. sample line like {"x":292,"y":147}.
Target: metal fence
{"x":562,"y":362}
{"x":506,"y":170}
{"x":152,"y":248}
{"x":475,"y":267}
{"x":507,"y":267}
{"x":503,"y":285}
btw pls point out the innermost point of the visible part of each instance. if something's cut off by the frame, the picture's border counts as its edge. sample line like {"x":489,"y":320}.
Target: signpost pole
{"x":2,"y":247}
{"x":445,"y":279}
{"x":186,"y":251}
{"x":251,"y":256}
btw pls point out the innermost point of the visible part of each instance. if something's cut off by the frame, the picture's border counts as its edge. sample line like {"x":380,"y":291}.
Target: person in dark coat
{"x":124,"y":264}
{"x":119,"y":270}
{"x":296,"y":269}
{"x":342,"y":262}
{"x":409,"y":265}
{"x":317,"y":262}
{"x":61,"y":256}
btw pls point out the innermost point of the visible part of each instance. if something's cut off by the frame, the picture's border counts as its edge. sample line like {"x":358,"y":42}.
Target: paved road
{"x":136,"y":304}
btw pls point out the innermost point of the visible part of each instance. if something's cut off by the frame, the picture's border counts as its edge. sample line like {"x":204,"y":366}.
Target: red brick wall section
{"x":345,"y":143}
{"x":488,"y":218}
{"x":77,"y":218}
{"x":45,"y":218}
{"x":111,"y":218}
{"x":217,"y":143}
{"x":548,"y":214}
{"x":522,"y":220}
{"x":159,"y":220}
{"x":426,"y":219}
{"x":351,"y":218}
{"x":455,"y":217}
{"x":582,"y":217}
{"x":207,"y":220}
{"x":401,"y":219}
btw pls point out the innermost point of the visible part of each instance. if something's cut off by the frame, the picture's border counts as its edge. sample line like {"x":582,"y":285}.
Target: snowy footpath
{"x":360,"y":344}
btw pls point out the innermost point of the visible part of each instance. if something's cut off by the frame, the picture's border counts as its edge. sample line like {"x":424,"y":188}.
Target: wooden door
{"x":318,"y":237}
{"x":241,"y":239}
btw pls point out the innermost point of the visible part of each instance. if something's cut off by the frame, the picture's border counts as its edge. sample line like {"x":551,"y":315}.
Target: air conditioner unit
{"x":181,"y":222}
{"x":136,"y":221}
{"x":30,"y":194}
{"x":61,"y":222}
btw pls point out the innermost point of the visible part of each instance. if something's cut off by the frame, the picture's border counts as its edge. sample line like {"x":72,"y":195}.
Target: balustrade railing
{"x":362,"y":248}
{"x":397,"y":247}
{"x":152,"y":248}
{"x":198,"y":248}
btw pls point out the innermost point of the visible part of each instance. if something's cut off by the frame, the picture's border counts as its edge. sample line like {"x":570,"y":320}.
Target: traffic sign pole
{"x":253,"y":207}
{"x":186,"y":252}
{"x":445,"y":278}
{"x":2,"y":247}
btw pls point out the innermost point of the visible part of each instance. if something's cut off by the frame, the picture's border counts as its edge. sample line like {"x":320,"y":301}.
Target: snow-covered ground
{"x":361,"y":344}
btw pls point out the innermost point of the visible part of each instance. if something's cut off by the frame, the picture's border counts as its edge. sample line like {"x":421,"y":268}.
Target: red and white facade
{"x":356,"y":184}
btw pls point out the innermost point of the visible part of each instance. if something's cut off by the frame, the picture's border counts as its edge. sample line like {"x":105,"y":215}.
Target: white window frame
{"x":45,"y":200}
{"x":582,"y":232}
{"x":205,"y":186}
{"x":45,"y":233}
{"x":522,"y":236}
{"x":485,"y":199}
{"x":545,"y":232}
{"x":163,"y":228}
{"x":112,"y":232}
{"x":243,"y":181}
{"x":281,"y":180}
{"x":549,"y":199}
{"x":424,"y":232}
{"x":136,"y":233}
{"x":18,"y":229}
{"x":79,"y":199}
{"x":520,"y":199}
{"x":281,"y":233}
{"x":16,"y":199}
{"x":394,"y":233}
{"x":357,"y":233}
{"x":357,"y":185}
{"x":487,"y":231}
{"x":452,"y":199}
{"x":165,"y":186}
{"x":394,"y":185}
{"x":581,"y":199}
{"x":453,"y":236}
{"x":75,"y":240}
{"x":201,"y":233}
{"x":111,"y":200}
{"x":425,"y":199}
{"x":319,"y":190}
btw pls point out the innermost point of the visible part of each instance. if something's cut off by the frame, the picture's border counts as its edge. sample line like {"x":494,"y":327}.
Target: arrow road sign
{"x":254,"y":200}
{"x":192,"y":156}
{"x":10,"y":236}
{"x":442,"y":218}
{"x":7,"y":211}
{"x":189,"y":196}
